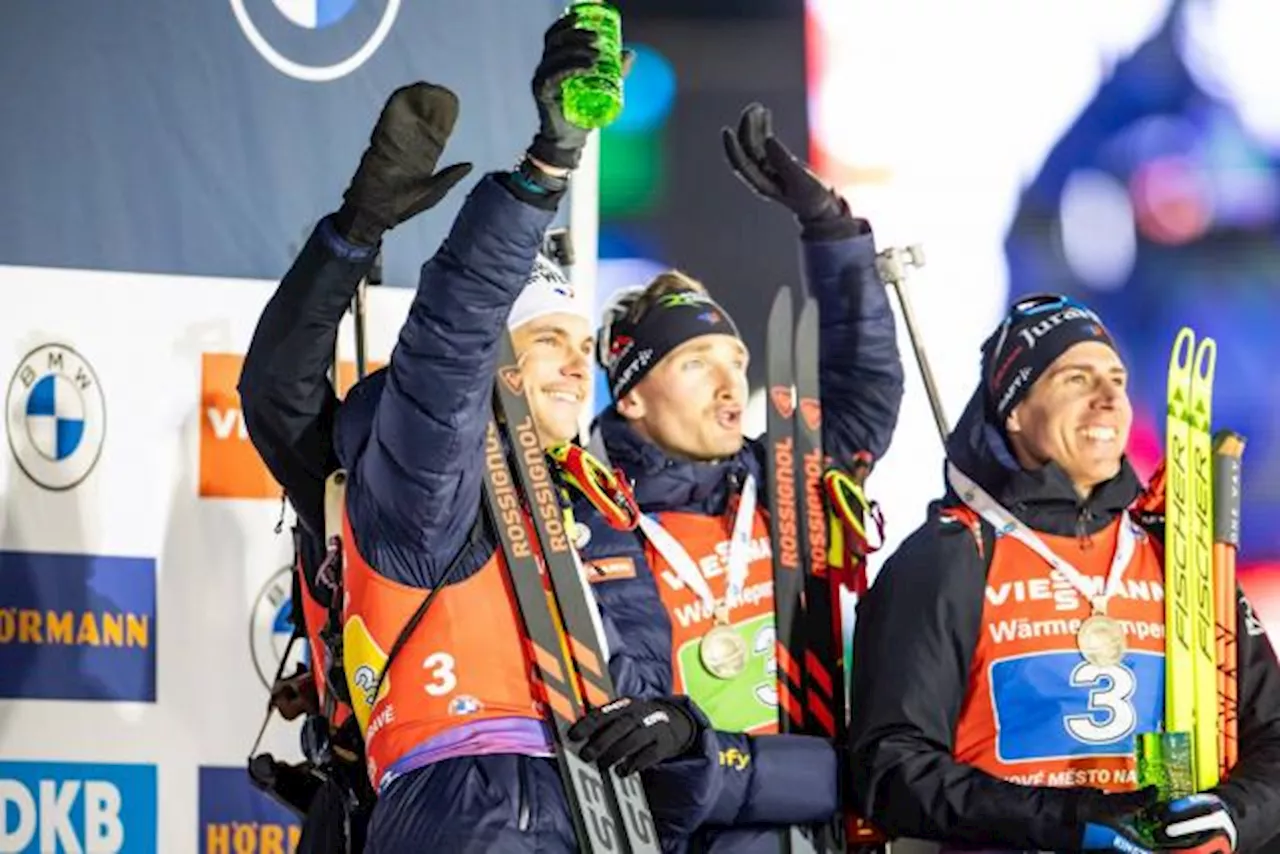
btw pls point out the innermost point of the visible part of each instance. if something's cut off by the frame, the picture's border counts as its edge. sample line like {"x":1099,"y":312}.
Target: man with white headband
{"x":458,"y":751}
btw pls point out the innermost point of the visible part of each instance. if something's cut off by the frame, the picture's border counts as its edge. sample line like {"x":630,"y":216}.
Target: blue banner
{"x":77,"y":627}
{"x":207,"y":138}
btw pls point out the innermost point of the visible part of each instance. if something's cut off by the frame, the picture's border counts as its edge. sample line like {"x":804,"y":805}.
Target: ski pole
{"x":358,"y":316}
{"x":892,"y":265}
{"x":1228,"y":449}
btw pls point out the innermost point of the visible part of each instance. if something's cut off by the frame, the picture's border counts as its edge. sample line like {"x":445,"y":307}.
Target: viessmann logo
{"x":316,"y":40}
{"x":229,"y":464}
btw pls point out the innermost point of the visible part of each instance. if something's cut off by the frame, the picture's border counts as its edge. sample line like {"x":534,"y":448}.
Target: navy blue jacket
{"x":787,"y":779}
{"x":411,"y":438}
{"x":916,"y":633}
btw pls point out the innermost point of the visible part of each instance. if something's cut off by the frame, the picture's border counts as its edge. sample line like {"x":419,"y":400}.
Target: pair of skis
{"x":812,"y":696}
{"x":1202,"y":513}
{"x":610,"y":813}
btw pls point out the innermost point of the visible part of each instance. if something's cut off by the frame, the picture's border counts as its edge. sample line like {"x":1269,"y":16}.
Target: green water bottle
{"x":593,"y":99}
{"x":1164,"y":761}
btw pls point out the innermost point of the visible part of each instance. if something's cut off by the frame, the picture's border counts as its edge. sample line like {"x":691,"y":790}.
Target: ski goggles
{"x":606,"y":489}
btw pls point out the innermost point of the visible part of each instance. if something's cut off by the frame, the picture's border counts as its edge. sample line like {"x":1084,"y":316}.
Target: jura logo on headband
{"x":1033,"y":334}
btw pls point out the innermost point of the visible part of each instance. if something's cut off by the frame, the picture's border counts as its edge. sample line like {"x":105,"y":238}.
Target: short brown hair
{"x":669,"y":282}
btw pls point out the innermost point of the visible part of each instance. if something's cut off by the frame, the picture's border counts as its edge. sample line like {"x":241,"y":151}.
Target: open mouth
{"x":1100,"y":434}
{"x":729,"y":418}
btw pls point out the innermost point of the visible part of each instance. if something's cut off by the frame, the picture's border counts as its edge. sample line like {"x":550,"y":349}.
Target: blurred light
{"x":615,"y":274}
{"x":629,"y":240}
{"x":648,"y":94}
{"x":1245,"y":189}
{"x":1146,"y":447}
{"x":1229,"y":47}
{"x":632,"y":172}
{"x":1171,"y":200}
{"x":1098,"y":241}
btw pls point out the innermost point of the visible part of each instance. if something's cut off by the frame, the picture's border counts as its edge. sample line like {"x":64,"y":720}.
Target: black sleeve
{"x":1252,"y":790}
{"x":915,"y":635}
{"x":288,"y":403}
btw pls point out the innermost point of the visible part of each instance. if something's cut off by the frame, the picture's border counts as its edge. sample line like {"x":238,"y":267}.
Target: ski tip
{"x":780,"y":311}
{"x":1183,"y":350}
{"x":1206,"y":359}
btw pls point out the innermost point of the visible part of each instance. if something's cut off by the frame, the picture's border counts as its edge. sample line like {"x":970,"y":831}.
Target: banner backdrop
{"x":144,"y":592}
{"x":206,"y":138}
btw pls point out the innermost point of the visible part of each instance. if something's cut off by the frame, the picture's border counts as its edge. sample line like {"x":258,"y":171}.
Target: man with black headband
{"x":1011,"y":649}
{"x":677,"y":372}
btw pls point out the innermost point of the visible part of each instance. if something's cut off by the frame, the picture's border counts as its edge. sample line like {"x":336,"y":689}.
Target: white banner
{"x":143,"y":591}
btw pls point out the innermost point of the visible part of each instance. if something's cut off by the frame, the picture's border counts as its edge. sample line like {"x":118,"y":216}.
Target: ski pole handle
{"x":893,"y":265}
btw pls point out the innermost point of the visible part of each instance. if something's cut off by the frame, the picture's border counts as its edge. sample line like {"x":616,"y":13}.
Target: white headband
{"x":547,"y":292}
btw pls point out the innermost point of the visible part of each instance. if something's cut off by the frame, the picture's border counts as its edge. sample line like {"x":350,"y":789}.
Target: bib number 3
{"x":1111,"y":715}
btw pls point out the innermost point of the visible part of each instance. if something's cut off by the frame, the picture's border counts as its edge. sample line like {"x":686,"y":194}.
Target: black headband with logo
{"x":1037,"y":330}
{"x":633,"y":349}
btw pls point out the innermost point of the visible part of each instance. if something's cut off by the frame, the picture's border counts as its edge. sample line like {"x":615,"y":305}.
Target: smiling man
{"x":1011,"y":649}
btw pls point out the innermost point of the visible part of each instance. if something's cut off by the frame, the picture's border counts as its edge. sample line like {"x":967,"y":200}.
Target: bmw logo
{"x":271,"y":627}
{"x":316,"y":40}
{"x":57,"y":416}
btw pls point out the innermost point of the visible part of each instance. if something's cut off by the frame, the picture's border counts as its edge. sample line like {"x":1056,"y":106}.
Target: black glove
{"x":1197,"y":822}
{"x":1106,"y":821}
{"x":396,"y":178}
{"x":566,"y":50}
{"x":766,"y":166}
{"x":635,"y":735}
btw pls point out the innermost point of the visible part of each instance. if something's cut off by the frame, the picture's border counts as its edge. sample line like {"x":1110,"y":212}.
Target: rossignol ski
{"x":812,"y":693}
{"x":787,"y":542}
{"x":610,"y":813}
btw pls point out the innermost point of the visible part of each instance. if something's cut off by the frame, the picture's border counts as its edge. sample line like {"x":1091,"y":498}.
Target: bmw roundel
{"x":56,"y":416}
{"x":316,"y":40}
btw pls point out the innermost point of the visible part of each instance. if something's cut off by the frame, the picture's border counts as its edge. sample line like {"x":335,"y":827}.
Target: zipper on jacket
{"x":1083,"y":518}
{"x":523,"y":811}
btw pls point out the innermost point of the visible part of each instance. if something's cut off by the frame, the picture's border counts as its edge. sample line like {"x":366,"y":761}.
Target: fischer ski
{"x":1205,"y":654}
{"x":1191,"y":660}
{"x":610,"y":813}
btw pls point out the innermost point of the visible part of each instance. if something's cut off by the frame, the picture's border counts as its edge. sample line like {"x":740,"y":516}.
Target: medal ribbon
{"x":1006,"y":523}
{"x":687,"y":571}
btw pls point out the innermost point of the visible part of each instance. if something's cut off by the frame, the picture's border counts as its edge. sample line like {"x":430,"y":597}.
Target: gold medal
{"x":723,"y":652}
{"x":1101,"y":640}
{"x":722,"y":649}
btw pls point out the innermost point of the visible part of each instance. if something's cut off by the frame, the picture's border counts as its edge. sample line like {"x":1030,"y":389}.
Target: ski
{"x":1191,"y":642}
{"x":785,"y":538}
{"x":1228,"y":449}
{"x":1179,"y":606}
{"x":823,"y":653}
{"x":610,"y":813}
{"x":784,"y":524}
{"x":1204,"y":632}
